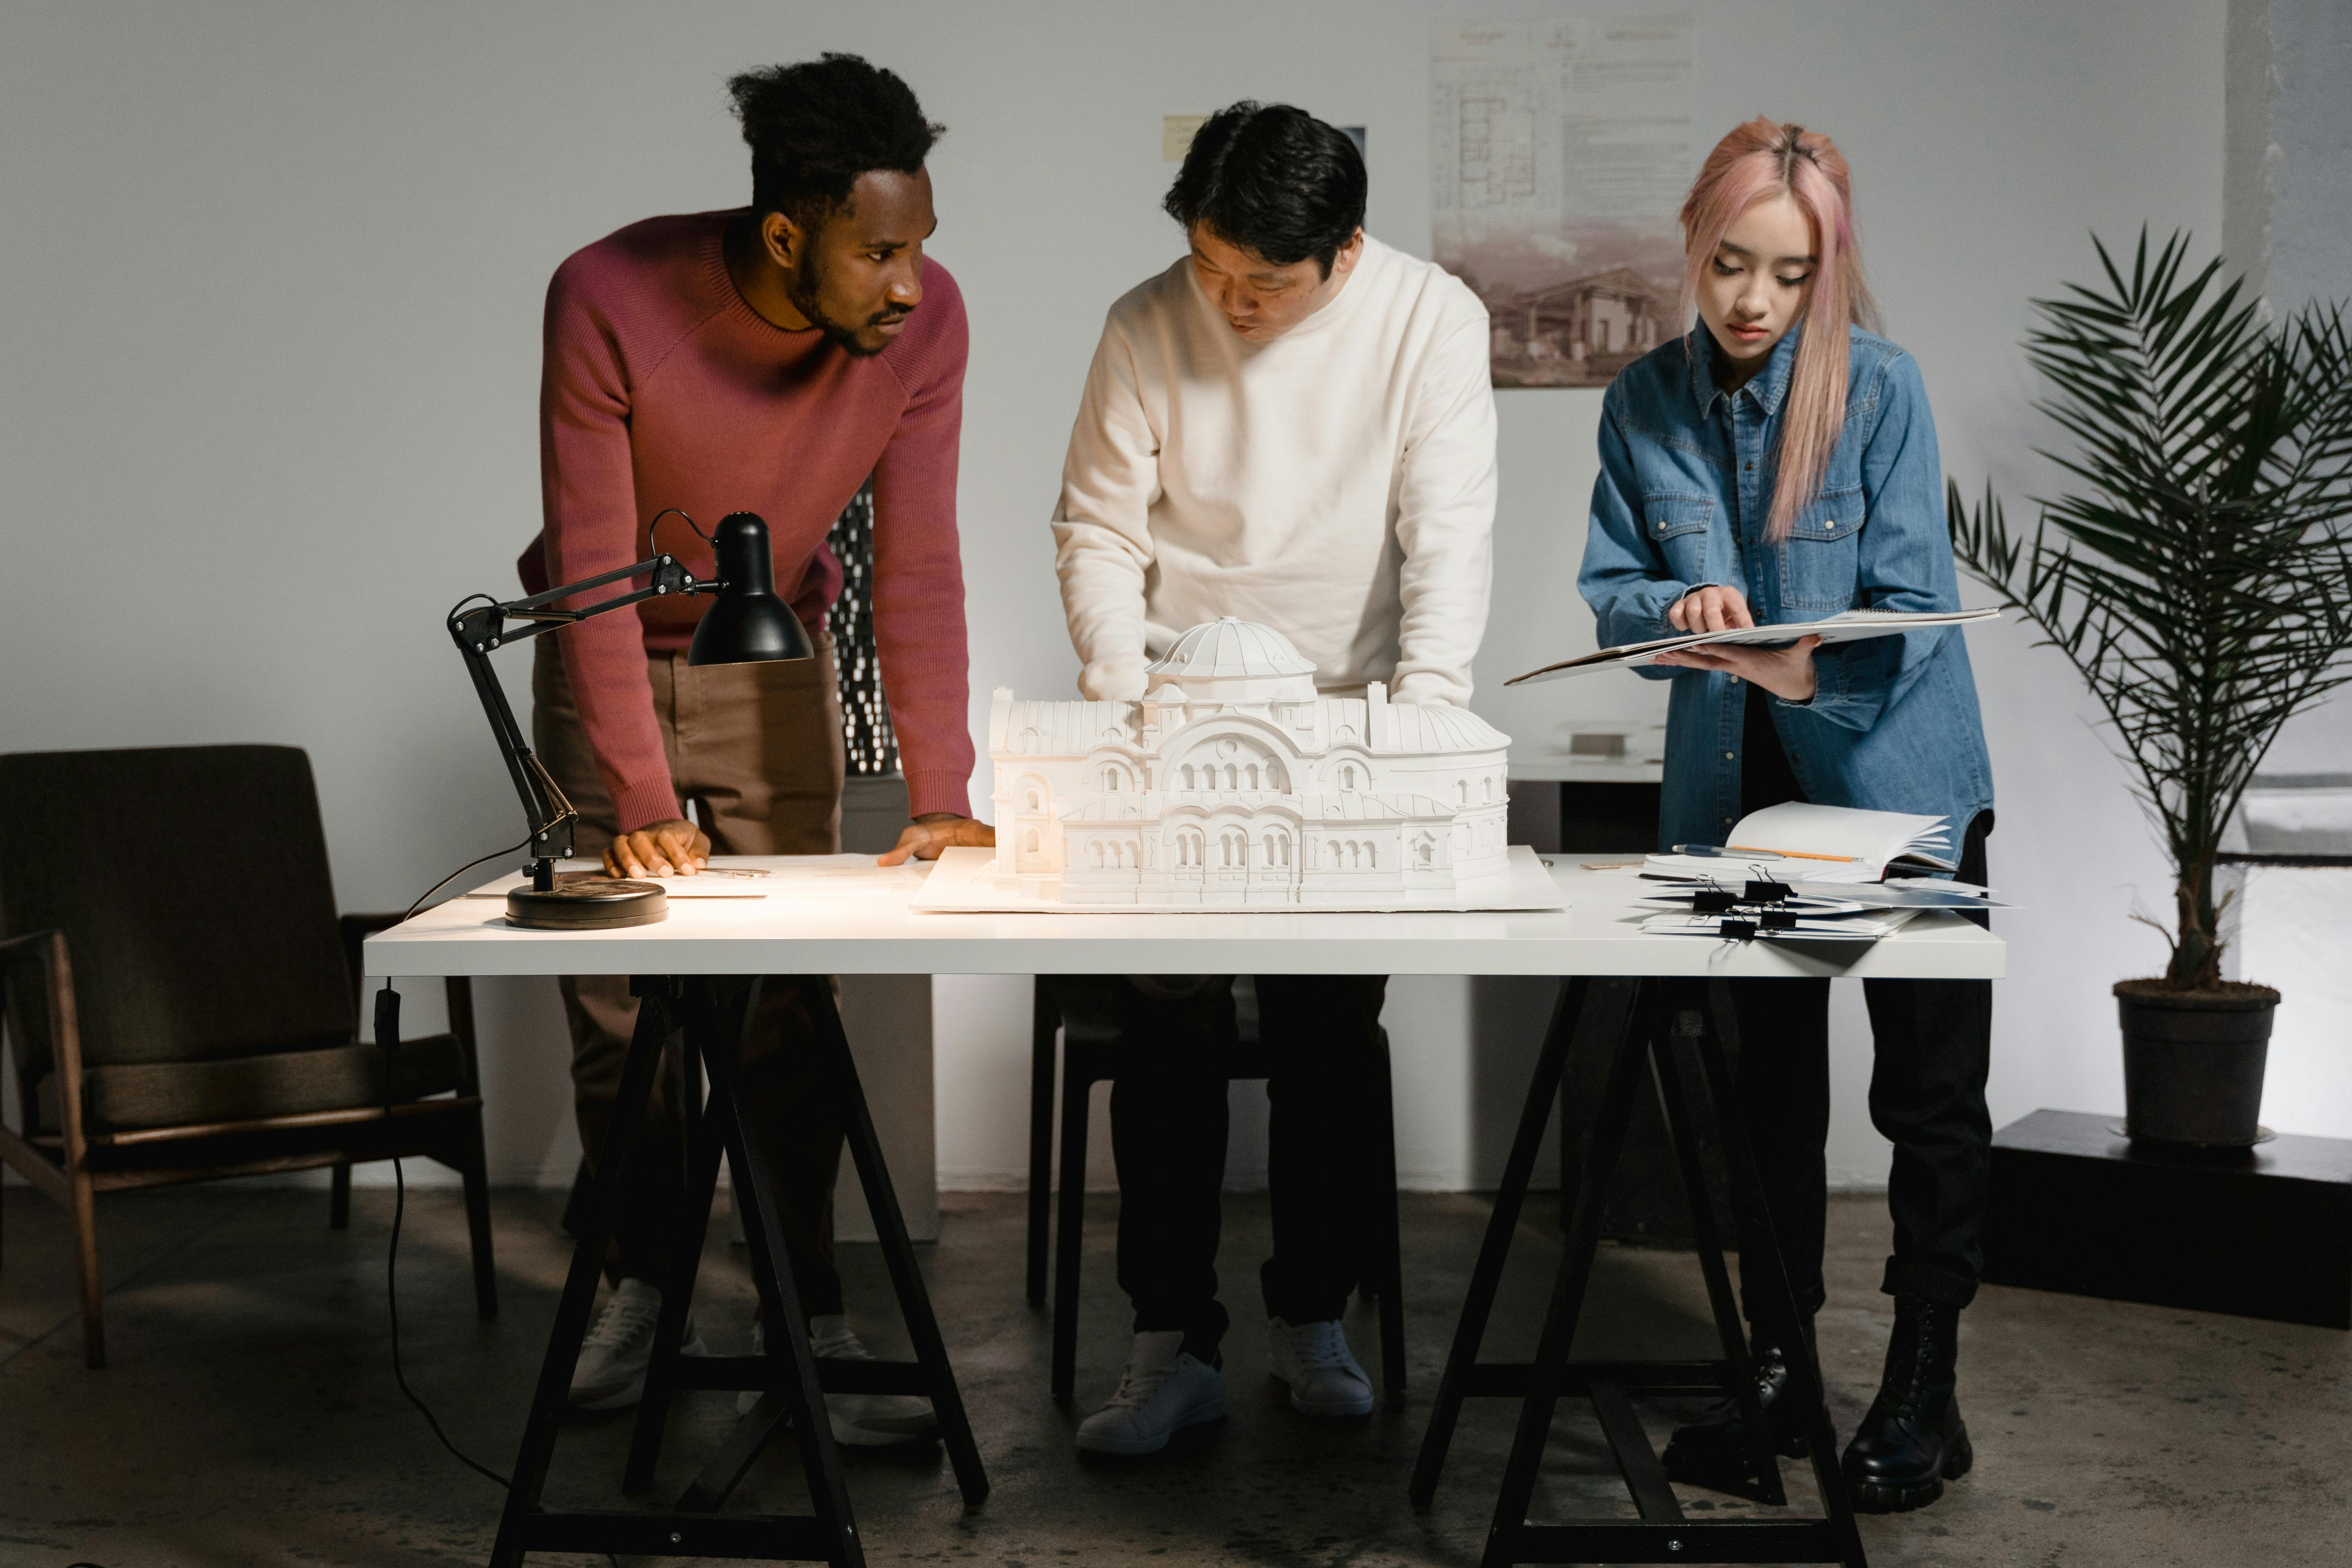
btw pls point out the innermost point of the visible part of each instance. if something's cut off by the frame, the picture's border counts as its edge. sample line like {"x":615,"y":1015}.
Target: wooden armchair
{"x":175,"y":1018}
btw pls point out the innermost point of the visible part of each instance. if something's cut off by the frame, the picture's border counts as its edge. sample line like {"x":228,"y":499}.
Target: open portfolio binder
{"x":1849,"y":626}
{"x":1796,"y":841}
{"x":1803,"y":872}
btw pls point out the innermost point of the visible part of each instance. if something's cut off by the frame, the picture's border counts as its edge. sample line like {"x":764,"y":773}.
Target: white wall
{"x":271,"y":321}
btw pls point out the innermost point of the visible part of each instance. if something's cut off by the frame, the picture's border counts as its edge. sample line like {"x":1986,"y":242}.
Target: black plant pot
{"x":2194,"y":1062}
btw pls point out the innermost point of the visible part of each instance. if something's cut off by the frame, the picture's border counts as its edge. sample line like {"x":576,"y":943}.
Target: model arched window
{"x":1035,"y":804}
{"x":1110,"y":779}
{"x":1347,"y":776}
{"x":1489,"y":782}
{"x":1373,"y":856}
{"x":1461,"y":787}
{"x":1094,"y":853}
{"x":1186,"y":775}
{"x":1427,"y":853}
{"x":1032,"y":842}
{"x":1253,"y":775}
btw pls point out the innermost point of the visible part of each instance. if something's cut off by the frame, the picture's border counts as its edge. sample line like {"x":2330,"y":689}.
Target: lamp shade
{"x":747,"y":624}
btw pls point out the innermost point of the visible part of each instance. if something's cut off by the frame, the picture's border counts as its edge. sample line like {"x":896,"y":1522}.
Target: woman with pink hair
{"x":1777,"y":464}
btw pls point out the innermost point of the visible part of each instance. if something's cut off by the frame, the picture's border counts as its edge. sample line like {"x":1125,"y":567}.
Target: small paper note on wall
{"x":1176,"y":132}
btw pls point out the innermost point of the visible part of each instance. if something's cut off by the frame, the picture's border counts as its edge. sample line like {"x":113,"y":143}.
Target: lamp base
{"x":587,"y":903}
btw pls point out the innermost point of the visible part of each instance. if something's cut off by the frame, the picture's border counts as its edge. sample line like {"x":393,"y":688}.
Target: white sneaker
{"x":1162,"y":1391}
{"x":858,"y":1420}
{"x":611,"y":1372}
{"x":1324,"y":1377}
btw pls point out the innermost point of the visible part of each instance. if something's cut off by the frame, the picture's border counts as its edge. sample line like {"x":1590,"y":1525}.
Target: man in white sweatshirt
{"x":1293,"y":425}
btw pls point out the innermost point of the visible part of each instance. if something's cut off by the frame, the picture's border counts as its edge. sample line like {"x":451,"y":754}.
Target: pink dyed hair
{"x":1756,"y":161}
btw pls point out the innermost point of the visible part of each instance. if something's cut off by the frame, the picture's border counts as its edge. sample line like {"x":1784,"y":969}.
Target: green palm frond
{"x":2200,"y":580}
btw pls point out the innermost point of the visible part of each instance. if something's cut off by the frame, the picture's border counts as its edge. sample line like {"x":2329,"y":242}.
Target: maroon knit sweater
{"x":661,"y":388}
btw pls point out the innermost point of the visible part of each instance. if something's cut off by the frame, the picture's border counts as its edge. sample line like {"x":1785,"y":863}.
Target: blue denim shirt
{"x":1686,"y":487}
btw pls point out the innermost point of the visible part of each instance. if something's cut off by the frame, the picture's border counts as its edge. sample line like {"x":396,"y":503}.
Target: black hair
{"x":814,"y":127}
{"x":1274,"y":180}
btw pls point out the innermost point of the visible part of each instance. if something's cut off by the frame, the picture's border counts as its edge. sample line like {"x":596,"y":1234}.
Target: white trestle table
{"x":1640,"y":999}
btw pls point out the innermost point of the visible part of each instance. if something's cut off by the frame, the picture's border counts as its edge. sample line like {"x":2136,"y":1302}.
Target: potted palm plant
{"x":2199,"y":580}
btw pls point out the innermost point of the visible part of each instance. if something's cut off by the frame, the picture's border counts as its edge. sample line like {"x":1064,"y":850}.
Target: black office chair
{"x":1077,"y":1008}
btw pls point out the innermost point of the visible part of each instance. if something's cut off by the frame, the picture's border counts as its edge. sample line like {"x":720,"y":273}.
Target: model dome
{"x":1232,"y":660}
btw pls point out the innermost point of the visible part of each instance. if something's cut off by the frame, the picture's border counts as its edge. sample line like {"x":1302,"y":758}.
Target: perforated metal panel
{"x":865,"y":717}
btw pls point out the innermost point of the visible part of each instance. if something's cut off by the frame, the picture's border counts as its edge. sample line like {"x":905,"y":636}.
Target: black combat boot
{"x":1718,"y":1451}
{"x":1913,"y":1440}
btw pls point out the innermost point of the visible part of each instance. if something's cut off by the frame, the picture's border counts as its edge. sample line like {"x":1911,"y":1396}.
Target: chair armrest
{"x":459,"y":991}
{"x":21,"y":948}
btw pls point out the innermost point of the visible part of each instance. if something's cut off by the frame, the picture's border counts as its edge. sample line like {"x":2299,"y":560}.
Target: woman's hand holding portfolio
{"x":1785,"y":672}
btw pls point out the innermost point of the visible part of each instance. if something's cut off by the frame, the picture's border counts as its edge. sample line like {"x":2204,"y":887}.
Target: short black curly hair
{"x":815,"y":126}
{"x":1272,"y":179}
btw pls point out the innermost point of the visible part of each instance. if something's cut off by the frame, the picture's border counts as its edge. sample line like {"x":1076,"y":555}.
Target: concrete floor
{"x":250,"y":1418}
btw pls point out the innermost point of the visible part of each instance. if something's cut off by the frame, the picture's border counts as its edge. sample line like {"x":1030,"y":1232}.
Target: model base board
{"x":967,"y":882}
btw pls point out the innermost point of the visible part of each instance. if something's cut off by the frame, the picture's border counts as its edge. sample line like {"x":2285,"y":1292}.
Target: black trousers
{"x":1932,"y":1043}
{"x":1321,"y":1038}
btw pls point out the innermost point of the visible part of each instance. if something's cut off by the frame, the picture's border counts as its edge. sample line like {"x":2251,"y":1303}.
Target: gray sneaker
{"x":858,"y":1420}
{"x":611,"y":1372}
{"x":1162,"y":1391}
{"x":1313,"y":1359}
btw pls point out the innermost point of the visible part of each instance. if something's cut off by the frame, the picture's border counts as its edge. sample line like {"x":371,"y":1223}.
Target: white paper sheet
{"x":833,"y":876}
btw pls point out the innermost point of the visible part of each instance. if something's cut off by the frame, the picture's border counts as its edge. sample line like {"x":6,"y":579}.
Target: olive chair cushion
{"x":210,"y":984}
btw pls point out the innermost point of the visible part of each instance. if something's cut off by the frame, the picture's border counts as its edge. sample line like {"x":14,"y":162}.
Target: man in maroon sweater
{"x":765,"y":360}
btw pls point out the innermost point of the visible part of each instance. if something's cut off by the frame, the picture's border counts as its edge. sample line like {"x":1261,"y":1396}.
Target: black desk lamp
{"x":748,"y":625}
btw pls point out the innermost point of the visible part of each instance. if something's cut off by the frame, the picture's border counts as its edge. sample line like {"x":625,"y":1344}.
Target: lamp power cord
{"x":387,"y":1039}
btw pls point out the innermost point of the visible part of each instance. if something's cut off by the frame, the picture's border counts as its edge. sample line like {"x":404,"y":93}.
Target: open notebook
{"x":1849,"y":626}
{"x":1795,"y":841}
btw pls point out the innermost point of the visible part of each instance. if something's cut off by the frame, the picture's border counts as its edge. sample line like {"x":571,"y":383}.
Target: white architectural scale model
{"x":1232,"y":784}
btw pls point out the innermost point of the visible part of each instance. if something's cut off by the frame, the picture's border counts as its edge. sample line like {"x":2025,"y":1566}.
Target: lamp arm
{"x":481,"y":629}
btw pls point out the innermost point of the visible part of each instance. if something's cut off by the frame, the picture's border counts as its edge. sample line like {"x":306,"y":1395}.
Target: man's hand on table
{"x":924,"y":837}
{"x":673,"y":848}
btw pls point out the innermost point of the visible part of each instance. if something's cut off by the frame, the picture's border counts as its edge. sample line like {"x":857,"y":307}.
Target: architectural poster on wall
{"x":1560,"y":151}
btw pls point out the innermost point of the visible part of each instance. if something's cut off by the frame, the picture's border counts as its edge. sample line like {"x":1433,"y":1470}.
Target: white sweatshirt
{"x":1336,"y":484}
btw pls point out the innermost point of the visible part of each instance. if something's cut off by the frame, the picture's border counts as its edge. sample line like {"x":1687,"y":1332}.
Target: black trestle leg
{"x":707,"y":1133}
{"x":1542,"y":1396}
{"x":1445,"y":1411}
{"x":1739,"y":1372}
{"x":1699,"y":1059}
{"x":897,"y":1251}
{"x":549,"y":1400}
{"x":780,"y":1305}
{"x":713,"y":1013}
{"x":1660,"y":1033}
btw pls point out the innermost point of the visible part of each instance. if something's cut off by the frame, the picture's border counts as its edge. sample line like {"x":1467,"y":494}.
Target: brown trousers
{"x":759,"y":748}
